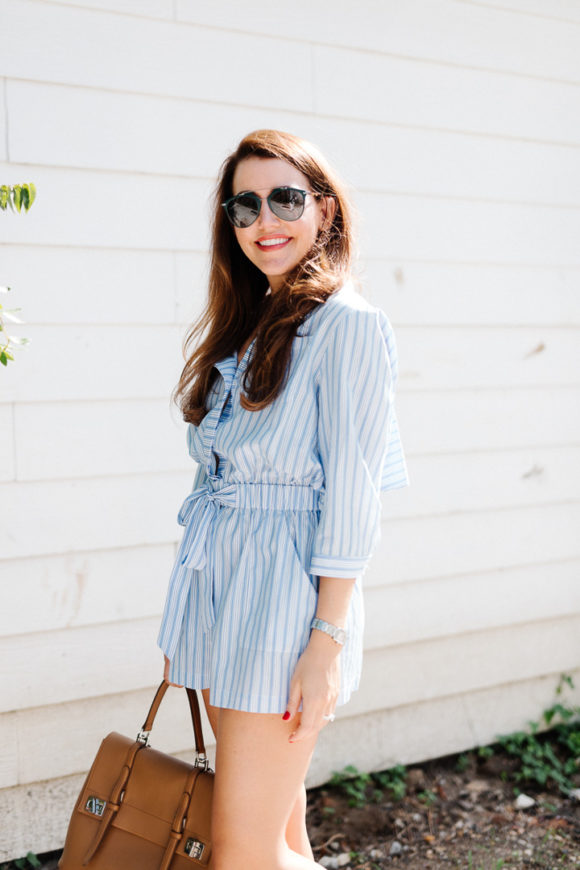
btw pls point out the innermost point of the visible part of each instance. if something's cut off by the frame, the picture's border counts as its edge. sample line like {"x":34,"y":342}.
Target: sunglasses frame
{"x":260,"y":199}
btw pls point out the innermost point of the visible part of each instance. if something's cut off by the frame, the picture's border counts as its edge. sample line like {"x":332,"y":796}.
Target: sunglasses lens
{"x":287,"y":203}
{"x":243,"y":210}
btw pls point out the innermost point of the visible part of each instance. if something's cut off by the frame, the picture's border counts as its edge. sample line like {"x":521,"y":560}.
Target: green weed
{"x":29,"y":861}
{"x":362,"y":788}
{"x":548,"y":757}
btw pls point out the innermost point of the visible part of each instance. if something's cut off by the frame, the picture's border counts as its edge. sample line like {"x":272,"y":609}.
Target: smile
{"x":280,"y":242}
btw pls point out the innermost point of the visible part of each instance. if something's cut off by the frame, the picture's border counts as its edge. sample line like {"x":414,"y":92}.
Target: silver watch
{"x":337,"y":634}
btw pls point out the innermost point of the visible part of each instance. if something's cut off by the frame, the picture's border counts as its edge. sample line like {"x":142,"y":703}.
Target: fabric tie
{"x":196,"y":514}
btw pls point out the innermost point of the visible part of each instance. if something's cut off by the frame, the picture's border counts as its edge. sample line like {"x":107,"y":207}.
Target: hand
{"x":316,"y":680}
{"x":166,"y":673}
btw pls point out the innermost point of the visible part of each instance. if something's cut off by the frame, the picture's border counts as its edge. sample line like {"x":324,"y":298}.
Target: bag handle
{"x":143,"y":735}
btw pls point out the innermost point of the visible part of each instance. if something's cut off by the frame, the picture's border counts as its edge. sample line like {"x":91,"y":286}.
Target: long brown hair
{"x":238,"y":303}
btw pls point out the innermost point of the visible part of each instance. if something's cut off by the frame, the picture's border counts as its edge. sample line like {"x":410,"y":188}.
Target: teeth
{"x":269,"y":242}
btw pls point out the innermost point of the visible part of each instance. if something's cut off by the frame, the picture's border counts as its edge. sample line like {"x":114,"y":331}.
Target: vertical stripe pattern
{"x":280,"y":498}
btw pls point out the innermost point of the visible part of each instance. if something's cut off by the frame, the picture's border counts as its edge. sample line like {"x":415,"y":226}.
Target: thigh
{"x":259,"y":775}
{"x":296,"y":832}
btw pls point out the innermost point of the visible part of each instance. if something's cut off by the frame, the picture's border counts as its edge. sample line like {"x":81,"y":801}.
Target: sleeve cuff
{"x":338,"y":566}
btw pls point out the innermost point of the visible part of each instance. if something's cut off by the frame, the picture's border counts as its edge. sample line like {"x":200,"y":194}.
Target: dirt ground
{"x":447,"y":819}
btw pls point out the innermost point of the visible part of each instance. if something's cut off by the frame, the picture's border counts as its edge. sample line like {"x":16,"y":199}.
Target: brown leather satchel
{"x":140,"y":809}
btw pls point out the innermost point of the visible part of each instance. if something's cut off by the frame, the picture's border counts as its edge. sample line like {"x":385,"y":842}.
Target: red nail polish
{"x":286,"y":715}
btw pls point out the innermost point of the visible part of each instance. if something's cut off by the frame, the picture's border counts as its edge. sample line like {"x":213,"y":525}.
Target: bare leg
{"x":296,"y":833}
{"x":296,"y":830}
{"x":258,"y":777}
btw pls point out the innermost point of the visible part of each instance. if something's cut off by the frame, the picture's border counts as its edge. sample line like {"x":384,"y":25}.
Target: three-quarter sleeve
{"x":395,"y":474}
{"x":358,"y":440}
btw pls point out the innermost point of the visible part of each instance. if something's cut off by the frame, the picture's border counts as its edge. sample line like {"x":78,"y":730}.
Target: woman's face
{"x":293,"y":239}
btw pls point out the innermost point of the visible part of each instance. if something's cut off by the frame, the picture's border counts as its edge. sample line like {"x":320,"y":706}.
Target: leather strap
{"x":113,"y":801}
{"x":196,"y":719}
{"x":194,"y":709}
{"x":176,"y":831}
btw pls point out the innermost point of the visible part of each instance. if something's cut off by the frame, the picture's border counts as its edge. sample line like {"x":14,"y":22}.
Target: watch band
{"x":336,"y":633}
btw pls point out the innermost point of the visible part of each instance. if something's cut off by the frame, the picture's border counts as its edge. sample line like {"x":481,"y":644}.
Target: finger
{"x":303,"y":732}
{"x":166,"y":674}
{"x":314,"y":724}
{"x":294,"y":699}
{"x":310,"y":724}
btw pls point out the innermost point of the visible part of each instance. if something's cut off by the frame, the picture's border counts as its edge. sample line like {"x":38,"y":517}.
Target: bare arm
{"x":334,"y":594}
{"x":316,"y":678}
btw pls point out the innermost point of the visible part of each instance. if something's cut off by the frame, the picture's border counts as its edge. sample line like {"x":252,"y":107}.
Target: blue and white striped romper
{"x":281,"y":497}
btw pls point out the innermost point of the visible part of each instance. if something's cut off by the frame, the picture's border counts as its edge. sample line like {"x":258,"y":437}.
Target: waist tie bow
{"x":196,"y":514}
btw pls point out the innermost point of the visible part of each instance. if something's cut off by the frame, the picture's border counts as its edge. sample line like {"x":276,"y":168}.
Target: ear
{"x":328,"y":210}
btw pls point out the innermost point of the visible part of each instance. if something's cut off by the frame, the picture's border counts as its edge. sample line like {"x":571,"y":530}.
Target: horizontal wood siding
{"x":456,"y":126}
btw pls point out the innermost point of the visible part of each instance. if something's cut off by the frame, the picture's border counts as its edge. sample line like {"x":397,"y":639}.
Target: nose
{"x":266,"y":218}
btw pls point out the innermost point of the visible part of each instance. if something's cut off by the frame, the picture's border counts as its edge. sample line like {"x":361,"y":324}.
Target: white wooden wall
{"x":457,"y":124}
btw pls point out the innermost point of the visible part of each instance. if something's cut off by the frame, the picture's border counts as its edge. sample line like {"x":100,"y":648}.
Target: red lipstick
{"x":272,"y":242}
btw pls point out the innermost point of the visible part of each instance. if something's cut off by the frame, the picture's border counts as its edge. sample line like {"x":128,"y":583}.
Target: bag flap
{"x":151,"y":798}
{"x":105,"y":768}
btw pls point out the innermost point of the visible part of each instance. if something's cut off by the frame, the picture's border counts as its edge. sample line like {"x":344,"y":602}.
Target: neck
{"x":276,"y":282}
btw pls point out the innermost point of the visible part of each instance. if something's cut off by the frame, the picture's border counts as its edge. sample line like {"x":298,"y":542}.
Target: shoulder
{"x":347,"y":318}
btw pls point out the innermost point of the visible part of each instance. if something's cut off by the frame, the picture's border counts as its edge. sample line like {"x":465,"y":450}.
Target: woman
{"x":289,"y":400}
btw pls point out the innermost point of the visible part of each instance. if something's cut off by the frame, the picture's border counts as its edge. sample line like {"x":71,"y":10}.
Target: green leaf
{"x":17,"y":196}
{"x":28,"y":195}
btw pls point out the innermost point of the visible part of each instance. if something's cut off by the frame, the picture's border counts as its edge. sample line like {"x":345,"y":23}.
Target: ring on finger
{"x":330,"y":718}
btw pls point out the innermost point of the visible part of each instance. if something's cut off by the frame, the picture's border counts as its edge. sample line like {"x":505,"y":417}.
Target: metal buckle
{"x":202,"y":760}
{"x":143,"y":737}
{"x":194,"y":848}
{"x":95,"y":805}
